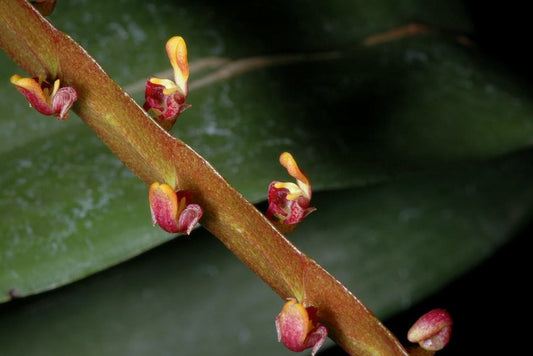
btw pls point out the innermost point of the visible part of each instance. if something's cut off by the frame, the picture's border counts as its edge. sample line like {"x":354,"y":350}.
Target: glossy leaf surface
{"x":190,"y":297}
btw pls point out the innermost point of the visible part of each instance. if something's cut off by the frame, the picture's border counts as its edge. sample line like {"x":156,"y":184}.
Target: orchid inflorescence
{"x":174,"y":210}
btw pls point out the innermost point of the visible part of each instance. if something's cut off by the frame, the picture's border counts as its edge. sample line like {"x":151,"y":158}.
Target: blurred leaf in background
{"x":418,"y":149}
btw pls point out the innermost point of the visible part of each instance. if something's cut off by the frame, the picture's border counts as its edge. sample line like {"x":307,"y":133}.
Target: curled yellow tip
{"x":15,"y":79}
{"x":177,"y":53}
{"x":30,"y":85}
{"x":25,"y":83}
{"x":290,"y":164}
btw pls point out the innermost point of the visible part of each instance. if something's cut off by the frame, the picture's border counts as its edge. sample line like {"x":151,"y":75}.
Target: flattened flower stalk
{"x":165,"y":99}
{"x":47,"y":99}
{"x":288,"y":203}
{"x":173,"y":210}
{"x":297,"y":327}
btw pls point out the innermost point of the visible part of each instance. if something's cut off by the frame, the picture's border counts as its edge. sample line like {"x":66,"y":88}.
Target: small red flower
{"x":298,"y":328}
{"x":165,"y":98}
{"x":288,"y":203}
{"x":432,"y":331}
{"x":45,"y":98}
{"x":173,"y":211}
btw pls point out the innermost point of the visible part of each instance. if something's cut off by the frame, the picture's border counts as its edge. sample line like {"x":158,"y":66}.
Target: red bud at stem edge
{"x":432,"y":331}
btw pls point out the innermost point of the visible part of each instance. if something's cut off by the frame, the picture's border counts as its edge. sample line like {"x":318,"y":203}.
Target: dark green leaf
{"x":191,"y":297}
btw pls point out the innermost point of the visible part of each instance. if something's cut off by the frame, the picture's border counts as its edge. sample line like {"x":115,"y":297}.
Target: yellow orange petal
{"x":29,"y":84}
{"x":290,"y":164}
{"x":177,"y":53}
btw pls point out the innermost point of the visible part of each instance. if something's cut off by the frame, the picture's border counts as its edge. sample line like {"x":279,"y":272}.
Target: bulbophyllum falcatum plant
{"x":185,"y":190}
